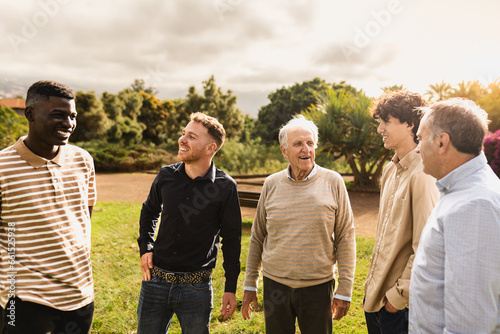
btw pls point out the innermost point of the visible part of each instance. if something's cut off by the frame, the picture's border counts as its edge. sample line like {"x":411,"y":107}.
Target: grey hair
{"x":463,"y":120}
{"x":298,"y":121}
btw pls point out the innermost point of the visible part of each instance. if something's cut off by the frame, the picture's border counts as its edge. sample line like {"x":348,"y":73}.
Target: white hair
{"x":298,"y":121}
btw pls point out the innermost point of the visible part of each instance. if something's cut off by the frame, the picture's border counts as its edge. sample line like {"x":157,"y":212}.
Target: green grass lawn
{"x":117,"y":278}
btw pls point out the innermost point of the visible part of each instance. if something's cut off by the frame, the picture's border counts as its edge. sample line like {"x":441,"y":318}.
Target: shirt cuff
{"x":249,"y":288}
{"x":344,"y":298}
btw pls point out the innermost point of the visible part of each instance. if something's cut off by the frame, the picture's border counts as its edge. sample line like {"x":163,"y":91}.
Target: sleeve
{"x":92,"y":190}
{"x":472,"y":268}
{"x":256,"y":247}
{"x":424,"y":196}
{"x":231,"y":239}
{"x":345,"y":242}
{"x":150,"y":214}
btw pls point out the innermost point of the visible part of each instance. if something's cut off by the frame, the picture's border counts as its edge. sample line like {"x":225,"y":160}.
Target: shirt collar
{"x":35,"y":160}
{"x":311,"y":174}
{"x":210,"y":175}
{"x":407,"y":161}
{"x":460,"y":173}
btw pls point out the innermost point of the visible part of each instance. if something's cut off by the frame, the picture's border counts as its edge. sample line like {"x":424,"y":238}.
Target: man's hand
{"x":339,"y":308}
{"x":249,"y":299}
{"x":146,"y":264}
{"x":390,"y":308}
{"x":228,"y":305}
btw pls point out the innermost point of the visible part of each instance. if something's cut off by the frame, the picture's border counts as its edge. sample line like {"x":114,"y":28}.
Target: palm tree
{"x":439,"y":91}
{"x":346,"y":129}
{"x":472,"y":90}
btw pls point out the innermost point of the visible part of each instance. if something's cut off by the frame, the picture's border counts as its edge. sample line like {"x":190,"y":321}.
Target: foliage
{"x":490,"y":102}
{"x":492,"y":151}
{"x":123,"y":110}
{"x":472,"y":90}
{"x":92,"y":121}
{"x":439,"y":91}
{"x":12,"y":126}
{"x":215,"y":103}
{"x":109,"y":157}
{"x":154,"y":115}
{"x":346,"y":129}
{"x":249,"y":158}
{"x":117,"y":278}
{"x":287,"y":102}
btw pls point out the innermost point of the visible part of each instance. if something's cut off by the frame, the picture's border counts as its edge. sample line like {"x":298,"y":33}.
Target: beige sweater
{"x":301,"y":229}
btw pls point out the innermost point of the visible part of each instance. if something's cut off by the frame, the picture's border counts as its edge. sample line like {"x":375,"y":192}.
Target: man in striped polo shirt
{"x":47,"y":191}
{"x":303,"y":226}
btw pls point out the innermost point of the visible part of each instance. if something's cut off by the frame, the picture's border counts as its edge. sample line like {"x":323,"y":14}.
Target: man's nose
{"x":380,"y":128}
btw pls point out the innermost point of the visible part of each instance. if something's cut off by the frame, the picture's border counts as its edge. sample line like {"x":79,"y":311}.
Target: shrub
{"x":110,"y":157}
{"x":492,"y":150}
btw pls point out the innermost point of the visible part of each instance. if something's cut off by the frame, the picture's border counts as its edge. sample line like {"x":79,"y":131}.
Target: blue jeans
{"x":159,"y":300}
{"x":385,"y":322}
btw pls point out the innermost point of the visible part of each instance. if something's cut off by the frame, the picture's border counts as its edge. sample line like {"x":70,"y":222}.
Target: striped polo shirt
{"x":45,"y":226}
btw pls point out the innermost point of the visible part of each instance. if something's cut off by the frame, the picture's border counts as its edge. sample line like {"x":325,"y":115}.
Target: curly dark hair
{"x":44,"y":89}
{"x":400,"y":104}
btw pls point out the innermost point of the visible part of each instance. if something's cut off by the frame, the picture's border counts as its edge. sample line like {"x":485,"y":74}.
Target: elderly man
{"x":455,"y":282}
{"x":303,"y":226}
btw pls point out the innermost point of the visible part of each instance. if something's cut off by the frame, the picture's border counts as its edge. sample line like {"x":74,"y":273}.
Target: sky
{"x":252,"y":47}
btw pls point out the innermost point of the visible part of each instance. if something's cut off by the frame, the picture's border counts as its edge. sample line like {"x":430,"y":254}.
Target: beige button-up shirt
{"x":407,"y":197}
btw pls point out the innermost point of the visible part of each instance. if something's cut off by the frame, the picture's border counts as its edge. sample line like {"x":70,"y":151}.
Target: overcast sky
{"x":251,"y":47}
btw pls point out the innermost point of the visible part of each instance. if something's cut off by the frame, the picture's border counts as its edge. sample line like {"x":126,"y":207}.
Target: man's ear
{"x":283,"y":150}
{"x":28,"y":113}
{"x":212,"y":148}
{"x":444,"y":142}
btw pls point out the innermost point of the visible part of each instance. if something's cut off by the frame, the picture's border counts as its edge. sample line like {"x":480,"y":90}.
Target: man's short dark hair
{"x":44,"y":89}
{"x":400,"y":104}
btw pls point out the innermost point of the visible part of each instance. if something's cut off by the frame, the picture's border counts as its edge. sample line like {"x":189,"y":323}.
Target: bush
{"x":116,"y":158}
{"x":492,"y":150}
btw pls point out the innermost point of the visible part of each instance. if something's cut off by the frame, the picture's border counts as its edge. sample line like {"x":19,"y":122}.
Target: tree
{"x":154,"y":115}
{"x":392,"y":88}
{"x":123,"y":110}
{"x":139,"y":85}
{"x":346,"y":129}
{"x":12,"y":126}
{"x":215,"y":103}
{"x":472,"y":90}
{"x":287,"y":102}
{"x":439,"y":91}
{"x":92,"y":121}
{"x":490,"y":102}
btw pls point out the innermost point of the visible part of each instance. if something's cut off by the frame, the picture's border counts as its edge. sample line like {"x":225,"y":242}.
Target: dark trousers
{"x":311,"y":307}
{"x":385,"y":322}
{"x":20,"y":317}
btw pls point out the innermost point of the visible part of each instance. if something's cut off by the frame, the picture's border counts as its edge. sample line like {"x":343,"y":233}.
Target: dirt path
{"x":135,"y":188}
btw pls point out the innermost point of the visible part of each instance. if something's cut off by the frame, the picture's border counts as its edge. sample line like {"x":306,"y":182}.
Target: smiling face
{"x":195,"y":144}
{"x":300,"y":152}
{"x":51,"y":123}
{"x":396,"y":135}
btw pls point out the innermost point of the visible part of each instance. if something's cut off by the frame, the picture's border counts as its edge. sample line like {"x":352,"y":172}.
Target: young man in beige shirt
{"x":407,"y":197}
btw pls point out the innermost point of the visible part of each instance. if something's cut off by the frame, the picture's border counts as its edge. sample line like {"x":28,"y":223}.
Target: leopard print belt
{"x":170,"y":277}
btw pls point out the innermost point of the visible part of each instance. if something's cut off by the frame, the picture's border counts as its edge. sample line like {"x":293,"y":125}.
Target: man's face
{"x":428,"y":149}
{"x":194,"y":143}
{"x":395,"y":135}
{"x":300,"y":151}
{"x":52,"y":121}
